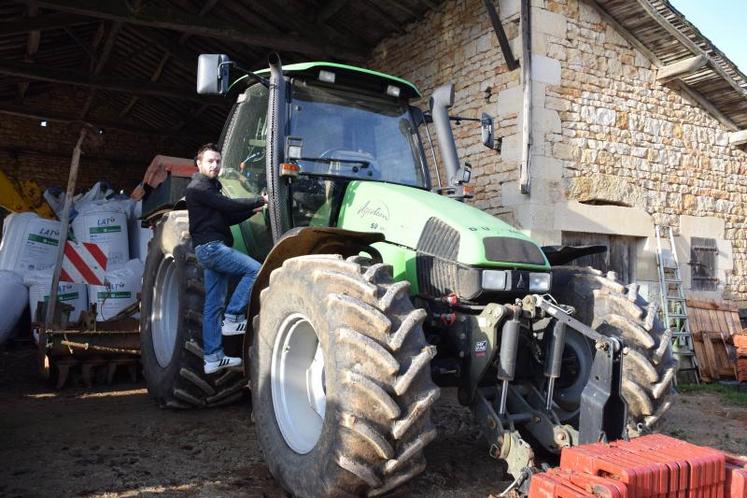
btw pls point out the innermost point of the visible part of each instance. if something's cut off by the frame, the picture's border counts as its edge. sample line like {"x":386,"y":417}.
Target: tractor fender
{"x":309,"y":240}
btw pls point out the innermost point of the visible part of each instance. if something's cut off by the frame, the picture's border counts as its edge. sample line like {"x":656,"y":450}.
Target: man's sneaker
{"x":234,"y":328}
{"x":226,"y":362}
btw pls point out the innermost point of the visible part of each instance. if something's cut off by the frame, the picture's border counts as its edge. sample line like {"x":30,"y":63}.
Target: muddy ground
{"x":116,"y":442}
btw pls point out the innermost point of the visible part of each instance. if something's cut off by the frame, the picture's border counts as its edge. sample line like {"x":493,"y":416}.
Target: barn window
{"x":703,"y":263}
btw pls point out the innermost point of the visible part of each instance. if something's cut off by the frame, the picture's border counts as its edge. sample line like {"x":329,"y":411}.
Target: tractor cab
{"x":341,"y":124}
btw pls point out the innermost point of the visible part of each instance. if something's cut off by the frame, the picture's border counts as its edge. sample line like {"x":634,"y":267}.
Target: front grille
{"x":435,"y":259}
{"x":439,"y":239}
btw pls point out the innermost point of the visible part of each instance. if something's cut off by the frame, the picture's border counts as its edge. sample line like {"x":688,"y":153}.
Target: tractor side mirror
{"x":212,"y":74}
{"x":488,"y":137}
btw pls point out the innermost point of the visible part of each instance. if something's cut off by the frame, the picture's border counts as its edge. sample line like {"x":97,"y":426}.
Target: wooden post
{"x":526,"y":80}
{"x":64,"y":225}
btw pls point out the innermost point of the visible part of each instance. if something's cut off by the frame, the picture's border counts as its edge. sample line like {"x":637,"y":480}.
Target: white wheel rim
{"x":298,"y":384}
{"x":164,"y":316}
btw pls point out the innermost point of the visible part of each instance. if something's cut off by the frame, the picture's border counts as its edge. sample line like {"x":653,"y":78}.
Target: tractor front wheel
{"x":616,"y":310}
{"x":341,"y":383}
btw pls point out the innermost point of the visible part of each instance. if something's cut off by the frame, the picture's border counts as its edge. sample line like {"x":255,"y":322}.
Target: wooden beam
{"x":691,"y":45}
{"x":738,"y":137}
{"x":84,"y":46}
{"x":676,"y":69}
{"x":20,"y":151}
{"x":103,"y":58}
{"x":56,"y":117}
{"x":32,"y":47}
{"x":329,"y":9}
{"x":500,"y":33}
{"x":623,"y":31}
{"x":154,"y":77}
{"x":384,"y":16}
{"x":41,"y":23}
{"x":178,"y":20}
{"x":700,"y":100}
{"x":44,"y":73}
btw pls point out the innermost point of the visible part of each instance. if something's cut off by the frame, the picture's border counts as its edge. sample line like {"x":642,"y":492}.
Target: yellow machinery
{"x":18,"y":197}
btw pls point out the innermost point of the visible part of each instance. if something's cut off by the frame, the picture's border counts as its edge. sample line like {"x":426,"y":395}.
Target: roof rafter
{"x":44,"y":73}
{"x":174,"y":19}
{"x":103,"y":58}
{"x":170,"y":51}
{"x":43,"y":115}
{"x":41,"y":23}
{"x":32,"y":47}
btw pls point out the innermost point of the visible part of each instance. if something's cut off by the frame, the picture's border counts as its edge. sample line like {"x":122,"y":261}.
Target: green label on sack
{"x":70,"y":296}
{"x":42,"y":240}
{"x":114,"y":295}
{"x":113,"y":228}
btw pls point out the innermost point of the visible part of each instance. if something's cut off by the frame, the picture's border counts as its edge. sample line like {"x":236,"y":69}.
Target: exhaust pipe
{"x":440,"y":101}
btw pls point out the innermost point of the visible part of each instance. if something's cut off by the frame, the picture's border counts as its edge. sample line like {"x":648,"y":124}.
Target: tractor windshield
{"x":354,"y":135}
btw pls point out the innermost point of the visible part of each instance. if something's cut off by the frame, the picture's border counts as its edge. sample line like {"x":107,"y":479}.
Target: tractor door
{"x":243,"y":173}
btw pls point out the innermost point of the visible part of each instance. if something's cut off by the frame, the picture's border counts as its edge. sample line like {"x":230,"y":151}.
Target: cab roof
{"x":353,"y":76}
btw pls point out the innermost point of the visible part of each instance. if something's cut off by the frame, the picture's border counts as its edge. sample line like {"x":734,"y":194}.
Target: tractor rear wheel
{"x":341,"y":382}
{"x":171,"y":323}
{"x":613,"y":309}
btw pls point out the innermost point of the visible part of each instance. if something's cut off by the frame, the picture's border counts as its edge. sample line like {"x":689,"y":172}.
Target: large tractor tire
{"x":171,"y":324}
{"x":613,"y":309}
{"x":341,"y":381}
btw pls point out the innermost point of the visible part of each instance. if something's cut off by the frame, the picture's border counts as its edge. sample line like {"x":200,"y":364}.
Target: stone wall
{"x":455,"y":43}
{"x":614,"y":150}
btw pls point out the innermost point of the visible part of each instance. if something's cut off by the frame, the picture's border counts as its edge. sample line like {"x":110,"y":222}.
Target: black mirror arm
{"x":259,"y":79}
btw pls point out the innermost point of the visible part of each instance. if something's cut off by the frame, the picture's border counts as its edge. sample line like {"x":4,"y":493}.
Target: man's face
{"x":209,"y":165}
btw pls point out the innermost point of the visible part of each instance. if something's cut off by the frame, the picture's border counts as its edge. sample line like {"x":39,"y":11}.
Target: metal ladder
{"x":674,"y":304}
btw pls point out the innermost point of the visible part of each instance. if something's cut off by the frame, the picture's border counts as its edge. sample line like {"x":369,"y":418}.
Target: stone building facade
{"x":615,"y":151}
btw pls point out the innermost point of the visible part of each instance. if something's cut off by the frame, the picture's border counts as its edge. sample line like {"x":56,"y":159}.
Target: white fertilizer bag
{"x":121,"y":290}
{"x":40,"y":283}
{"x":105,"y":222}
{"x":29,"y":243}
{"x":13,"y":300}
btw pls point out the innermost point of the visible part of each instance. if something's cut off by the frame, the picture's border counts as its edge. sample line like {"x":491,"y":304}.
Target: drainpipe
{"x":526,"y":81}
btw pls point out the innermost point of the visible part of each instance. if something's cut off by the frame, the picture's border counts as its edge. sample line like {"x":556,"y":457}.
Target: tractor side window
{"x":243,"y":161}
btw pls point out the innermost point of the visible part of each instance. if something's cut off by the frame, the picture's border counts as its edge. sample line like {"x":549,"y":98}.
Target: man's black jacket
{"x":211,"y":214}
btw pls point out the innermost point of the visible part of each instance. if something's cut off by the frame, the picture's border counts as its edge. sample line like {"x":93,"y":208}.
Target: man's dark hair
{"x":210,"y":146}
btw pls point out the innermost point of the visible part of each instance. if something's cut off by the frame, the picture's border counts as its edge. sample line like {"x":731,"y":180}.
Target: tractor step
{"x":650,"y":466}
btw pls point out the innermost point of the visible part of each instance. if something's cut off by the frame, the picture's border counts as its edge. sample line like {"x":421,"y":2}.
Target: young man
{"x":211,"y":215}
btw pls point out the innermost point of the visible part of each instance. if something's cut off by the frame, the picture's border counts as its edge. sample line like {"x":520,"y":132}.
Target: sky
{"x":722,"y":22}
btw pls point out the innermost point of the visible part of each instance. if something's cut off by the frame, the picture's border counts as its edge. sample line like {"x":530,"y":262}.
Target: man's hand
{"x":262,"y":206}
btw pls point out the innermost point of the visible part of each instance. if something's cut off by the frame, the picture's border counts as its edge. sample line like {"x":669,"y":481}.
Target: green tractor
{"x":378,"y":288}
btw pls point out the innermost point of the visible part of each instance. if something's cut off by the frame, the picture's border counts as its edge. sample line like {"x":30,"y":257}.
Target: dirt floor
{"x":116,"y":442}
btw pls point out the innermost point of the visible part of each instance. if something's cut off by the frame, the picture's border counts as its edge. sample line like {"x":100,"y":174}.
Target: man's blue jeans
{"x":220,"y":263}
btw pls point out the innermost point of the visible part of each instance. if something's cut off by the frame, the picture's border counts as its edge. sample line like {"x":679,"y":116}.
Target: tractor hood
{"x":436,"y":225}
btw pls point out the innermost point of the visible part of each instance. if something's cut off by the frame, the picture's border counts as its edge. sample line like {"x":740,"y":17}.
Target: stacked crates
{"x":653,"y":466}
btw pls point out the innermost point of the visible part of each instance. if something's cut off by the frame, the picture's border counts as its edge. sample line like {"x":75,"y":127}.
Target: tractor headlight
{"x":494,"y":280}
{"x":539,"y":282}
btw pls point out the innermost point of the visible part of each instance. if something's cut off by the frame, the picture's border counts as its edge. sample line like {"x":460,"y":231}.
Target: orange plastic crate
{"x":736,"y":478}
